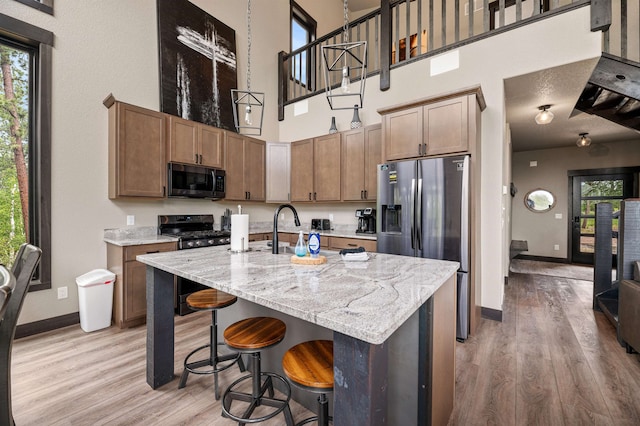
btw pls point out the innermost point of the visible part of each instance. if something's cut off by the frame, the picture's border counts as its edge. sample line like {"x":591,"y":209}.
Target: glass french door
{"x":587,"y":192}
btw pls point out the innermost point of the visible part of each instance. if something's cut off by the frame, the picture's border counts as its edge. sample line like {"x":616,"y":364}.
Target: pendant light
{"x":345,"y":65}
{"x":544,"y":116}
{"x":248,"y":106}
{"x":583,"y":140}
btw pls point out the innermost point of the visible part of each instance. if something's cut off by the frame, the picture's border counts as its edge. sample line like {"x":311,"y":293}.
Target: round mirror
{"x":539,"y":200}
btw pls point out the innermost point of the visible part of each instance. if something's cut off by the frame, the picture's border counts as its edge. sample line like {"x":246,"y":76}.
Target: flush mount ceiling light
{"x":583,"y":140}
{"x":544,"y":116}
{"x":345,"y":62}
{"x":248,"y":106}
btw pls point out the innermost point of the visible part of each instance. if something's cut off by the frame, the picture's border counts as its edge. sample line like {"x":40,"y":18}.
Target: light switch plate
{"x":63,"y":292}
{"x":556,"y":247}
{"x":558,"y":215}
{"x":331,"y":217}
{"x":131,"y":220}
{"x":533,"y":164}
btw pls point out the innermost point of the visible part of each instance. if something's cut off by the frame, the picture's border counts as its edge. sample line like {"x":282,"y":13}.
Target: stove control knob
{"x":189,"y":243}
{"x":197,"y":243}
{"x":211,"y":242}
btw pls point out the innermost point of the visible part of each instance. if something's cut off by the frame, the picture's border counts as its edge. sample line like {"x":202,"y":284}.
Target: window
{"x":303,"y":32}
{"x":42,"y":5}
{"x":25,"y":142}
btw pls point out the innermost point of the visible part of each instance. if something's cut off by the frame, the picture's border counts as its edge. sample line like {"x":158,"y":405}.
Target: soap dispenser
{"x":301,"y":248}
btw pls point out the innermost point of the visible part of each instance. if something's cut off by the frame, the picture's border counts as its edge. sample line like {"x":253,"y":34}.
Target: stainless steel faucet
{"x":274,"y":240}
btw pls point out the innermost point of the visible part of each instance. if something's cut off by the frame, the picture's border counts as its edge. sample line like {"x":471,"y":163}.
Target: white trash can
{"x":95,"y":297}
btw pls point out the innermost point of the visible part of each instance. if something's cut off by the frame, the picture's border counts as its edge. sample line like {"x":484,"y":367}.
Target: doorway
{"x":588,"y":188}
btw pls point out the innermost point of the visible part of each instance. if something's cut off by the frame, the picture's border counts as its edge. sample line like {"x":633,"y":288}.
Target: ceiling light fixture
{"x":544,"y":116}
{"x":247,"y":104}
{"x":345,"y":63}
{"x":583,"y":140}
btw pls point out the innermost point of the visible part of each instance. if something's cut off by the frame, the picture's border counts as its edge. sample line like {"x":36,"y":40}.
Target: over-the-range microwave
{"x":196,"y":181}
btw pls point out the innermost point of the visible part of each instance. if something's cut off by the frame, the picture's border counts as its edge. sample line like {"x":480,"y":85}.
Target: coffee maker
{"x":366,"y":221}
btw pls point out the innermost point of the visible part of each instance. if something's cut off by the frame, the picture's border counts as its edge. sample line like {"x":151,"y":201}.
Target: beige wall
{"x":543,"y":230}
{"x":104,"y":47}
{"x":487,"y":62}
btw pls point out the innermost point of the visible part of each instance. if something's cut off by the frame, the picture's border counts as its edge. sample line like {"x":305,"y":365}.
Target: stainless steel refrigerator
{"x":423,"y":211}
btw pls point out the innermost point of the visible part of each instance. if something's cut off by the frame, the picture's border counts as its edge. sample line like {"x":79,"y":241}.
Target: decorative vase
{"x":333,"y":128}
{"x":355,"y":121}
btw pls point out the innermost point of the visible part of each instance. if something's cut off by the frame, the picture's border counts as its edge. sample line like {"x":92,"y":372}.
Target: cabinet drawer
{"x":131,"y":252}
{"x":339,"y":243}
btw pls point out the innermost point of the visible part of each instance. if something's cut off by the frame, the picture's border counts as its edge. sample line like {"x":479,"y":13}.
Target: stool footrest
{"x":254,"y":401}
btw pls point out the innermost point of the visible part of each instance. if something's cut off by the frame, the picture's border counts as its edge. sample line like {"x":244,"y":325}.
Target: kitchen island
{"x":392,"y":320}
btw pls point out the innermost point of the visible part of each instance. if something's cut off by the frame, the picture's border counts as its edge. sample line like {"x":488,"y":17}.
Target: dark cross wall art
{"x":197,"y":64}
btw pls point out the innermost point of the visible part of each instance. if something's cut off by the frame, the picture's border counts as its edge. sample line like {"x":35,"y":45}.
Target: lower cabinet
{"x":129,"y":293}
{"x":339,"y":243}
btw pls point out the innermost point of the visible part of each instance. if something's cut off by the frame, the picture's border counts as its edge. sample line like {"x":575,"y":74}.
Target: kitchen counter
{"x":392,"y":319}
{"x":135,"y":236}
{"x":347,"y":297}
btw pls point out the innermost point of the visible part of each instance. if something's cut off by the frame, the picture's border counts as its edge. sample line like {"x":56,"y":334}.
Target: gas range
{"x":193,"y":231}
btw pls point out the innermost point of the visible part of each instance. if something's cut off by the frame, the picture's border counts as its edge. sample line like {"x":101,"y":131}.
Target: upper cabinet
{"x":195,"y":143}
{"x":245,"y":168}
{"x":361,"y":153}
{"x":137,"y":161}
{"x":435,"y":126}
{"x":278,"y":172}
{"x":315,"y":169}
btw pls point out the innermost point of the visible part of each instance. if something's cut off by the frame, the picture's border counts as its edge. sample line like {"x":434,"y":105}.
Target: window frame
{"x":45,"y":6}
{"x":307,"y":22}
{"x":41,"y":41}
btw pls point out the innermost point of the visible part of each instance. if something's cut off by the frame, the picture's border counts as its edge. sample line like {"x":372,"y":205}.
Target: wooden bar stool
{"x":250,"y":336}
{"x":210,"y":300}
{"x":309,"y":365}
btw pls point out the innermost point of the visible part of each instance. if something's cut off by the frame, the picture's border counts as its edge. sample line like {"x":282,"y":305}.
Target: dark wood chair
{"x":8,"y":282}
{"x":23,"y":268}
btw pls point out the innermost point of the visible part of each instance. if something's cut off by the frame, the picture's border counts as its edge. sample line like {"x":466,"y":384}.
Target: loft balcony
{"x":432,"y":27}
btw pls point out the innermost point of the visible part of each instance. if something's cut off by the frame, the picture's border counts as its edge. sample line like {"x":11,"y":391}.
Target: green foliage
{"x":12,"y":233}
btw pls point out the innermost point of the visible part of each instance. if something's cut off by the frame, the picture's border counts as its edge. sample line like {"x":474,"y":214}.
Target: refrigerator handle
{"x":419,"y":214}
{"x":412,"y":210}
{"x":464,"y":214}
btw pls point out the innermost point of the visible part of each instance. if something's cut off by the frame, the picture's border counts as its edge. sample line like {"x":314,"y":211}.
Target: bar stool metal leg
{"x":213,"y":360}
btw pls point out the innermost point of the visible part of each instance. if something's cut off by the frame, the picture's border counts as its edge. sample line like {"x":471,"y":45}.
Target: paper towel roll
{"x":239,"y":232}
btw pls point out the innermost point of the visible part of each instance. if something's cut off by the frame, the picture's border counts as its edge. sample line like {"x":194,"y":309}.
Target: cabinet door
{"x":211,"y":147}
{"x":137,"y":155}
{"x":403,"y":134}
{"x":302,"y":170}
{"x":372,"y":157}
{"x":353,"y":165}
{"x":183,"y":141}
{"x":446,"y":126}
{"x":254,"y":161}
{"x":326,"y":167}
{"x":234,"y":167}
{"x":135,"y":292}
{"x":278,"y":172}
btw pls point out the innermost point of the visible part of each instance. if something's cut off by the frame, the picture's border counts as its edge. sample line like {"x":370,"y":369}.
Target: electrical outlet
{"x":281,"y":216}
{"x":331,"y":217}
{"x":556,"y":247}
{"x":558,"y":215}
{"x":63,"y":292}
{"x":131,"y":219}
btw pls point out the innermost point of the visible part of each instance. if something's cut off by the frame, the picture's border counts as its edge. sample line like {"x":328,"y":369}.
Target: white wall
{"x":104,"y":47}
{"x":543,"y":230}
{"x":487,"y":62}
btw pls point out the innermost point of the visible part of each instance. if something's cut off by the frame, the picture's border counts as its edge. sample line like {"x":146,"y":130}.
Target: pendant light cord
{"x":345,"y":27}
{"x":249,"y":45}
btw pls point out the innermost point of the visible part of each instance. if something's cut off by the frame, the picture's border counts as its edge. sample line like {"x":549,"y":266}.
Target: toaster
{"x":320,"y":224}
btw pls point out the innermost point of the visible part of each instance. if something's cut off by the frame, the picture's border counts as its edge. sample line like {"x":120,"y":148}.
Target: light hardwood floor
{"x":552,"y":361}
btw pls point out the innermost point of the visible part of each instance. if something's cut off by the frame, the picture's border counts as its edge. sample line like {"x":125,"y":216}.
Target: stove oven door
{"x":184,"y":288}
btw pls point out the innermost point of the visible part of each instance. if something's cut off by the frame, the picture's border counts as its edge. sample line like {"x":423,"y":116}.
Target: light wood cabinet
{"x":245,"y":168}
{"x":315,"y":169}
{"x":278,"y":172}
{"x":436,"y":126}
{"x":137,"y":162}
{"x":129,"y":295}
{"x":361,"y":153}
{"x":195,"y":143}
{"x":339,"y":243}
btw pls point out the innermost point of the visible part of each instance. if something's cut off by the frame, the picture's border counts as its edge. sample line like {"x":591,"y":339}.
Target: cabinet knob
{"x":362,"y":195}
{"x":309,"y":196}
{"x":200,"y":158}
{"x":196,"y":158}
{"x":314,"y":196}
{"x":366,"y":196}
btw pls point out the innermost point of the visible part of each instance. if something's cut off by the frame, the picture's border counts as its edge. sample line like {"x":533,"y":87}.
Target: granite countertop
{"x":365,"y":300}
{"x":135,"y":236}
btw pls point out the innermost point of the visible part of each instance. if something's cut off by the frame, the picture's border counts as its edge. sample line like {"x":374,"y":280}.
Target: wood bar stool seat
{"x":309,"y":365}
{"x":250,"y":336}
{"x":210,"y":300}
